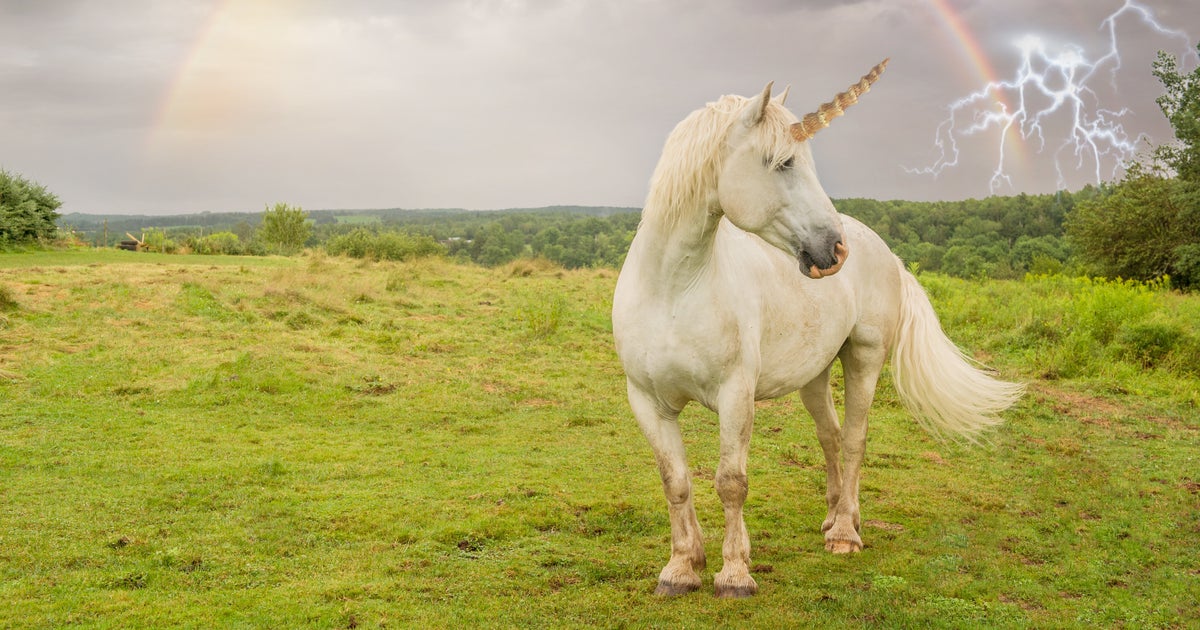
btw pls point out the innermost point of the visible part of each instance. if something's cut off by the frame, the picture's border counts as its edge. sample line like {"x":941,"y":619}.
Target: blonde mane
{"x":684,"y":182}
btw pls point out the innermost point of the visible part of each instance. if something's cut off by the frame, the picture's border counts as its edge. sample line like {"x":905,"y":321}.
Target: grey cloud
{"x":506,"y":103}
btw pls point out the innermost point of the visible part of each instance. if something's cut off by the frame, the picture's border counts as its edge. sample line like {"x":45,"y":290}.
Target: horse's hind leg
{"x":735,"y":409}
{"x":687,"y":544}
{"x":862,"y":361}
{"x":818,"y":400}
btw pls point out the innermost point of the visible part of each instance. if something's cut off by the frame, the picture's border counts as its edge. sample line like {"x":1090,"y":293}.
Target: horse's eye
{"x":787,"y":164}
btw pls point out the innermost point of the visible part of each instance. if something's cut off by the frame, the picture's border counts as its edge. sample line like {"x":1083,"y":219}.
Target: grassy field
{"x":318,"y":442}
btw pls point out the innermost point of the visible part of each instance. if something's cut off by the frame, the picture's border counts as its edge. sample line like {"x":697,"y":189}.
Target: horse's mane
{"x":685,"y":179}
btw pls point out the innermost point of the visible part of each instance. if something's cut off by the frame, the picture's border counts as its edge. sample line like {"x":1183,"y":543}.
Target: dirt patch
{"x":934,"y":457}
{"x":1173,"y":423}
{"x":373,"y":386}
{"x":1025,"y":605}
{"x":497,"y":387}
{"x":884,"y":525}
{"x":1078,"y":405}
{"x":704,"y":474}
{"x":1104,"y":413}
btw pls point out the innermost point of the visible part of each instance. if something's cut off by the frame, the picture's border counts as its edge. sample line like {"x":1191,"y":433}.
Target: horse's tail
{"x":936,"y":381}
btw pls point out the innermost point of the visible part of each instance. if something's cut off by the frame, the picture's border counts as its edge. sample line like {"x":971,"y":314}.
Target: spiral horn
{"x":820,"y":119}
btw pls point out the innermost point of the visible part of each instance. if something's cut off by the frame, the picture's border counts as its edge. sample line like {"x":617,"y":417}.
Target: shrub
{"x":7,"y":301}
{"x":1043,"y":265}
{"x":28,"y":212}
{"x":218,"y":243}
{"x":156,"y":240}
{"x":543,"y":318}
{"x":1149,"y":343}
{"x":285,"y":228}
{"x":1101,"y":307}
{"x":1077,"y":326}
{"x":364,"y":243}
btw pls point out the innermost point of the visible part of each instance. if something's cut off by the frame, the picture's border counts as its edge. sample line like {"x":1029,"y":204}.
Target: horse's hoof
{"x":737,"y":592}
{"x":674,"y":589}
{"x":738,"y":587}
{"x":842,"y":546}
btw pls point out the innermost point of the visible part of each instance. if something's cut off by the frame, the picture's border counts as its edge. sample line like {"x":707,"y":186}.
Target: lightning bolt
{"x":1049,"y":84}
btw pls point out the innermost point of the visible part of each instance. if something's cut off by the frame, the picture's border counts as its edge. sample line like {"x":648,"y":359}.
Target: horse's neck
{"x":672,"y":256}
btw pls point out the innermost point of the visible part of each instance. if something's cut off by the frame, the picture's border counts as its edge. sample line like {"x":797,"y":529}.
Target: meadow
{"x":211,"y":441}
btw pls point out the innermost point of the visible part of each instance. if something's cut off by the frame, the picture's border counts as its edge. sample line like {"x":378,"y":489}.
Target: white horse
{"x":712,"y":306}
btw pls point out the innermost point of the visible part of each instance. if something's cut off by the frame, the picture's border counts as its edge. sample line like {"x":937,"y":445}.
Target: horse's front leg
{"x":736,"y":412}
{"x":687,"y":543}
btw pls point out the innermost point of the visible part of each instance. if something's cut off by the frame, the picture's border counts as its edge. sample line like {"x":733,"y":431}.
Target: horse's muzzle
{"x":811,"y":269}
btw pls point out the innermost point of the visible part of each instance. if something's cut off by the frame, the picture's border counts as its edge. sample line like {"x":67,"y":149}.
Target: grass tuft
{"x":8,"y":302}
{"x":543,"y":317}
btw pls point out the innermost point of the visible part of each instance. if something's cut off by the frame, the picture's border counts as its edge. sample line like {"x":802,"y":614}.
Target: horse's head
{"x":768,"y":185}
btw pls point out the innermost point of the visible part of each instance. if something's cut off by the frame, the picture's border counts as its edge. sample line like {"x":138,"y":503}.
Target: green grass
{"x":317,"y":442}
{"x":75,"y":257}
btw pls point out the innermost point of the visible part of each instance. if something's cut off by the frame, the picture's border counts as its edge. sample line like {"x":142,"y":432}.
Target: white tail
{"x":935,"y":380}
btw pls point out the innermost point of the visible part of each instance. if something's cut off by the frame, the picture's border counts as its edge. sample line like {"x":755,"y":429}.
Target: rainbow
{"x":224,"y":73}
{"x":981,"y":66}
{"x":162,"y":113}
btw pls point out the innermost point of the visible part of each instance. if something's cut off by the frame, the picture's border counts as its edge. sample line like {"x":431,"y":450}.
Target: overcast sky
{"x":152,"y":107}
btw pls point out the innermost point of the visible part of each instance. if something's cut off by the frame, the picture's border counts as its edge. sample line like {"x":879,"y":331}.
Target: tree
{"x":1180,"y":103}
{"x":1134,"y":231}
{"x":28,"y":211}
{"x":285,"y":228}
{"x":1149,"y":225}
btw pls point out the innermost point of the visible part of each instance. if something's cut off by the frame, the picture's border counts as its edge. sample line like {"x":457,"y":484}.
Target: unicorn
{"x":743,"y":283}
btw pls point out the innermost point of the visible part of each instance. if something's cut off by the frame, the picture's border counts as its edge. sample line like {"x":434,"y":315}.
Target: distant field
{"x":112,"y":256}
{"x":317,"y":442}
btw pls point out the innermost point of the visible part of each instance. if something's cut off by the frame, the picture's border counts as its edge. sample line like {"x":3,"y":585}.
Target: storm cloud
{"x":135,"y":106}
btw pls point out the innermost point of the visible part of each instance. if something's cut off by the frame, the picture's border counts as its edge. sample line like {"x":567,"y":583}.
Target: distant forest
{"x":997,"y":237}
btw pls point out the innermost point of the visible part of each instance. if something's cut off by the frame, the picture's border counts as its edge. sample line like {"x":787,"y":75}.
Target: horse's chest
{"x":682,"y":342}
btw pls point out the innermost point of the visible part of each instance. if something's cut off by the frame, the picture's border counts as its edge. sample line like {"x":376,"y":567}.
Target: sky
{"x":151,"y":107}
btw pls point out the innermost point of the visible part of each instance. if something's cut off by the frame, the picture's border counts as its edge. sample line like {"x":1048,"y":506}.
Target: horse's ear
{"x":782,"y":98}
{"x":757,"y":107}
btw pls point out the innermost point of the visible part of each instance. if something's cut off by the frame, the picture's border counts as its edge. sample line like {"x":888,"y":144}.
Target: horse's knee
{"x":732,"y":486}
{"x":677,"y":485}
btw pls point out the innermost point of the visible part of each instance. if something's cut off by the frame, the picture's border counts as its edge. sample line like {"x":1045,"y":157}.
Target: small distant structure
{"x":131,"y":244}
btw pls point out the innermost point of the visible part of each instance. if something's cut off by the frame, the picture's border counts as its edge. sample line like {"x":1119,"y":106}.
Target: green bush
{"x":1080,"y":326}
{"x":1150,"y":343}
{"x":156,"y":240}
{"x":1043,"y":265}
{"x":543,"y":317}
{"x":28,"y":212}
{"x":285,"y":228}
{"x":218,"y":243}
{"x":1101,"y":307}
{"x":364,"y":243}
{"x":7,"y":301}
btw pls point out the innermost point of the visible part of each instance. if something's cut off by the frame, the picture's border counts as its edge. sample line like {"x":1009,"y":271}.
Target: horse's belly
{"x":790,"y":362}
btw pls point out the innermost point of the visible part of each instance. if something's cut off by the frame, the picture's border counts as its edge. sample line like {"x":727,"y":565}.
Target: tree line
{"x":998,"y":237}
